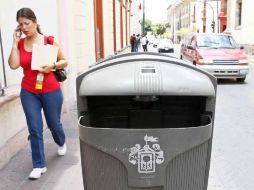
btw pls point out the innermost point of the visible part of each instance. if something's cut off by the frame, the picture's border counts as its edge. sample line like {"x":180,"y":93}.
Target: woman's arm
{"x":61,"y":61}
{"x":14,"y":59}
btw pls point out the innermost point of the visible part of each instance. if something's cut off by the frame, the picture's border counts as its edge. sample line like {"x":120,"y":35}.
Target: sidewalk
{"x":64,"y":172}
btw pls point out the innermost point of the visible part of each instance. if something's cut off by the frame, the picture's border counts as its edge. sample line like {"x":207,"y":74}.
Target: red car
{"x":217,"y":54}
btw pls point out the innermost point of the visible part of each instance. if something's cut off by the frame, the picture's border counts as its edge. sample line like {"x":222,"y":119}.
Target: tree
{"x":182,"y":32}
{"x":148,"y":26}
{"x":167,"y":35}
{"x":159,"y":29}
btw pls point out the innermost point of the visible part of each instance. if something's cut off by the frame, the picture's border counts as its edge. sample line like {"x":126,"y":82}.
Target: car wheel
{"x":159,"y":50}
{"x":241,"y":79}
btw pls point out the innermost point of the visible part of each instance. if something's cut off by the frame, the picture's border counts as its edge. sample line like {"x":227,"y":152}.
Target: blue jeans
{"x":51,"y":103}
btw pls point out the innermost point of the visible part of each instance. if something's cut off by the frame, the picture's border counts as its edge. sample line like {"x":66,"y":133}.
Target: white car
{"x":165,"y":45}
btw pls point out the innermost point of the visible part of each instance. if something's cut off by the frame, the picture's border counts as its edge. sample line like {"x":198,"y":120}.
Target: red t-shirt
{"x":29,"y":80}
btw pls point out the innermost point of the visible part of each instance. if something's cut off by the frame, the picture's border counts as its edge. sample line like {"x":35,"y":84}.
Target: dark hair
{"x":29,"y":14}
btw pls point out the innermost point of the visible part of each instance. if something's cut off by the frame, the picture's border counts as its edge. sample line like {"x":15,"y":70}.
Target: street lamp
{"x":143,"y":27}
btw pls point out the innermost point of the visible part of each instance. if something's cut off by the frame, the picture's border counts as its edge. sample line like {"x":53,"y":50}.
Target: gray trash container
{"x":145,"y":122}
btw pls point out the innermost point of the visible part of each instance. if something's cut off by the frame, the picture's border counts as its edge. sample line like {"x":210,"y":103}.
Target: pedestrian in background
{"x":137,"y":43}
{"x":144,"y":43}
{"x":133,"y":40}
{"x":39,"y":88}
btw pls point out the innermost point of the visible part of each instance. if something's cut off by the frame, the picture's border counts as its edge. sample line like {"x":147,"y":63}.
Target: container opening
{"x":159,"y":112}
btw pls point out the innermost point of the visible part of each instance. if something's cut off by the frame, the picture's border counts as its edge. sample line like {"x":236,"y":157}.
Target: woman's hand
{"x":17,"y":35}
{"x":46,"y":68}
{"x":14,"y":58}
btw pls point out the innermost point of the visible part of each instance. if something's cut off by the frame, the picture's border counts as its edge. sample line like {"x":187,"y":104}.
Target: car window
{"x":215,"y":41}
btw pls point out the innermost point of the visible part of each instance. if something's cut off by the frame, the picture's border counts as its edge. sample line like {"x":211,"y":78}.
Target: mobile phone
{"x":18,"y":32}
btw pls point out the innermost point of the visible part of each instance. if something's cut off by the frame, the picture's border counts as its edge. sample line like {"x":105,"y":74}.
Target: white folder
{"x":43,"y":55}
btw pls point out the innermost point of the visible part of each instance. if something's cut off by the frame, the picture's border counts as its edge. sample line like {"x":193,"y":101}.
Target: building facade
{"x":223,"y":15}
{"x":240,"y":23}
{"x":170,"y":24}
{"x":87,"y":30}
{"x":135,"y":24}
{"x":194,"y":16}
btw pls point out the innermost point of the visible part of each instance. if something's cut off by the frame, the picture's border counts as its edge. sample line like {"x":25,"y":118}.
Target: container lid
{"x":145,"y":74}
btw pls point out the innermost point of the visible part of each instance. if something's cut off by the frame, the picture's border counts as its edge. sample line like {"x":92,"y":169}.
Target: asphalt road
{"x":232,"y":162}
{"x":233,"y":154}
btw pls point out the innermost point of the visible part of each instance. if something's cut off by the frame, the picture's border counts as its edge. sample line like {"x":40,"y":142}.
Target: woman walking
{"x":40,"y":90}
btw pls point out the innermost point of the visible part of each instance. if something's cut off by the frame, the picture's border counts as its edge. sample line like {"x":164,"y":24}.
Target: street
{"x":86,"y":36}
{"x":232,"y":154}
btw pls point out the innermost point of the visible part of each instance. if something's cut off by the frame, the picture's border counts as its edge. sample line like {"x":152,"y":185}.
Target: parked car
{"x":165,"y":45}
{"x":217,"y":54}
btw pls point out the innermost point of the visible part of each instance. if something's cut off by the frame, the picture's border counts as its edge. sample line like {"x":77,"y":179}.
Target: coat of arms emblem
{"x":147,"y":157}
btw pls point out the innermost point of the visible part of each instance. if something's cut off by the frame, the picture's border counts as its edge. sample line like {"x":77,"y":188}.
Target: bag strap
{"x":50,"y":40}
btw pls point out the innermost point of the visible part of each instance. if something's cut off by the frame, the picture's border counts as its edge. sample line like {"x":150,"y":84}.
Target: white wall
{"x":118,"y":29}
{"x":244,"y":34}
{"x":128,"y":30}
{"x":108,"y":28}
{"x":84,"y":33}
{"x":199,"y":16}
{"x":67,"y":42}
{"x":210,"y":10}
{"x":135,"y":26}
{"x":8,"y":11}
{"x":124,"y":27}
